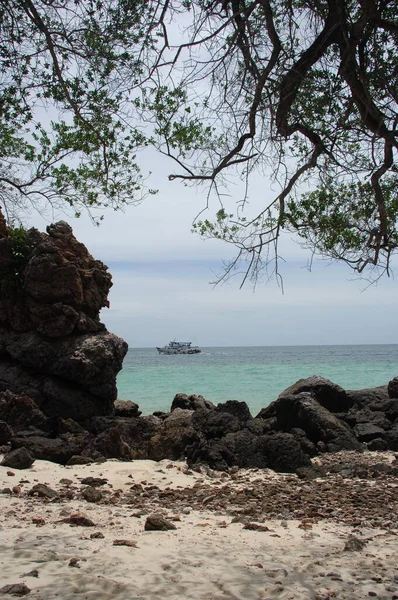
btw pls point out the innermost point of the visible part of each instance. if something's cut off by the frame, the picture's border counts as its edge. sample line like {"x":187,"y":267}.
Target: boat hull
{"x":176,"y":351}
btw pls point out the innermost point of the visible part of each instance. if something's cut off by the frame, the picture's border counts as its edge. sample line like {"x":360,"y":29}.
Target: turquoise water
{"x":256,"y":375}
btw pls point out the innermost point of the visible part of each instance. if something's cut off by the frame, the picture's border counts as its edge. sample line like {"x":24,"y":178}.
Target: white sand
{"x":206,"y":558}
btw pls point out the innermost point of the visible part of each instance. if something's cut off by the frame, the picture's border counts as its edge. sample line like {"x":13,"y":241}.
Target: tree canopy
{"x":304,"y":91}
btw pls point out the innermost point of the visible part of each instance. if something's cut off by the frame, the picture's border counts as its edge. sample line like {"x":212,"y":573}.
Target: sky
{"x":162,"y":274}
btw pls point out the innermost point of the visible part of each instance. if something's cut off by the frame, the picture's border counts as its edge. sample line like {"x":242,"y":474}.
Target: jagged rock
{"x":393,"y":388}
{"x":58,"y":450}
{"x":126,"y":408}
{"x":158,"y":523}
{"x":6,"y":433}
{"x":213,"y":424}
{"x":15,"y":589}
{"x":92,"y":494}
{"x":110,"y":444}
{"x":377,"y":444}
{"x":173,"y":436}
{"x":20,"y":412}
{"x":283,"y":452}
{"x":20,"y":458}
{"x":192,"y":402}
{"x":43,"y":491}
{"x":79,"y":460}
{"x":53,"y":346}
{"x":329,"y":395}
{"x":391,"y":437}
{"x":365,"y":432}
{"x":240,"y":410}
{"x":304,"y":412}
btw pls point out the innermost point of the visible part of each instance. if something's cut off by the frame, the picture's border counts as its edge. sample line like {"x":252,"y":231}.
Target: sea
{"x":256,"y":375}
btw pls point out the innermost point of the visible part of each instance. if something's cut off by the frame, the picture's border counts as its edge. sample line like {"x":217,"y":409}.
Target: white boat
{"x":179,"y":348}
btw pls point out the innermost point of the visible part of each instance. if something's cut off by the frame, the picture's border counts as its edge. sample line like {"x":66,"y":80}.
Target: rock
{"x":354,"y":544}
{"x":240,"y":410}
{"x":79,"y":460}
{"x":391,"y":437}
{"x":283,"y":452}
{"x":43,"y":491}
{"x":91,"y":494}
{"x":303,"y":411}
{"x":329,"y":395}
{"x":97,"y":536}
{"x":365,"y":432}
{"x":173,"y":436}
{"x":192,"y":402}
{"x":126,"y":408}
{"x":158,"y":523}
{"x":58,"y":450}
{"x":129,"y":543}
{"x":78,"y":520}
{"x":6,"y":433}
{"x":213,"y":424}
{"x":110,"y":444}
{"x":135,"y":432}
{"x":15,"y":589}
{"x":20,"y":458}
{"x":20,"y":412}
{"x":377,"y":444}
{"x":94,"y":481}
{"x":393,"y":388}
{"x":53,"y":346}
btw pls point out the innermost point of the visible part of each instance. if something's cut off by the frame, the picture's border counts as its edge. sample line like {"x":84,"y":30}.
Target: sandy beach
{"x":246,"y":534}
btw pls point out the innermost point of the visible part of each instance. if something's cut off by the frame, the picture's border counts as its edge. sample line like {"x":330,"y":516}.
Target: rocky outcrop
{"x":53,"y":347}
{"x":284,"y":436}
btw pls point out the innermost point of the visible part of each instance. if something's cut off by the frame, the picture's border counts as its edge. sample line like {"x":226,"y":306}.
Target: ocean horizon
{"x":253,"y":374}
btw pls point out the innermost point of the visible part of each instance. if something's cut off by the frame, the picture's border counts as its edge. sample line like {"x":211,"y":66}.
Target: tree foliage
{"x":68,"y":75}
{"x":304,"y":91}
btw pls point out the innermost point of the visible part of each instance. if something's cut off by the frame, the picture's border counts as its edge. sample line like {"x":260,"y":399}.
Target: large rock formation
{"x":53,"y":347}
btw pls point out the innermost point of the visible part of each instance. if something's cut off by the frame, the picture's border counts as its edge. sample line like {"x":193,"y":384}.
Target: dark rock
{"x":354,"y":544}
{"x":304,"y":412}
{"x":110,"y":444}
{"x":309,"y":473}
{"x":80,"y":460}
{"x":158,"y":523}
{"x":126,"y":408}
{"x":20,"y":458}
{"x":43,"y":491}
{"x":391,"y":437}
{"x":192,"y":402}
{"x":6,"y":433}
{"x":20,"y":412}
{"x":173,"y":436}
{"x":240,"y":410}
{"x":377,"y":444}
{"x":92,"y":494}
{"x":58,"y":450}
{"x":365,"y":432}
{"x":393,"y":388}
{"x":213,"y":424}
{"x":94,"y":481}
{"x":15,"y":589}
{"x":54,"y":348}
{"x":78,"y":520}
{"x":329,"y":395}
{"x":283,"y":452}
{"x":213,"y":453}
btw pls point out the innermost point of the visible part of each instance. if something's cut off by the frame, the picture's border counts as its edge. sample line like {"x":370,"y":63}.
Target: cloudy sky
{"x":162,"y":273}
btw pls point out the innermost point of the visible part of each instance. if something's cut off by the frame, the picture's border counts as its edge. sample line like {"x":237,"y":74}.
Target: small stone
{"x":79,"y":520}
{"x":92,"y":494}
{"x":129,"y":543}
{"x":97,"y":536}
{"x":256,"y":527}
{"x":43,"y":491}
{"x":94,"y":481}
{"x":15,"y":589}
{"x":74,"y":562}
{"x":354,"y":544}
{"x":158,"y":523}
{"x":16,"y":489}
{"x":10,"y":474}
{"x":34,"y":573}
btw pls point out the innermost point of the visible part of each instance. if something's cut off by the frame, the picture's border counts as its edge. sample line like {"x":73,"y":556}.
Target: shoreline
{"x":235,"y":537}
